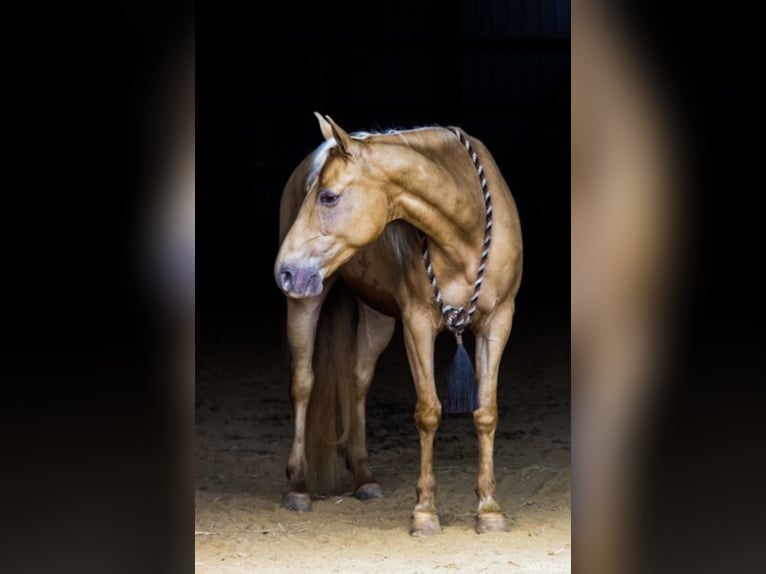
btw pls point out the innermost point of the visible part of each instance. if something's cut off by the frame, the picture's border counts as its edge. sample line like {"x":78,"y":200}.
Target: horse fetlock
{"x":296,"y":474}
{"x":361,"y":470}
{"x":426,"y":489}
{"x":296,"y":465}
{"x":485,"y":489}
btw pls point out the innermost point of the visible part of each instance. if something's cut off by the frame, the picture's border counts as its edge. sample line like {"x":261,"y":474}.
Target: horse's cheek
{"x":328,"y":220}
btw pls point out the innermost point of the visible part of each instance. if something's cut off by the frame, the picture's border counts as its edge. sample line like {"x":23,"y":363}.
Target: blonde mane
{"x":423,"y":137}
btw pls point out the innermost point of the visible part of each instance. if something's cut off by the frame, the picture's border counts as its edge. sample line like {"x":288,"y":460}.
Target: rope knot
{"x":456,"y":318}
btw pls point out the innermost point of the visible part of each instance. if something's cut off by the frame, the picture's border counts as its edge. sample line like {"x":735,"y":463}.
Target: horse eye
{"x":328,"y":198}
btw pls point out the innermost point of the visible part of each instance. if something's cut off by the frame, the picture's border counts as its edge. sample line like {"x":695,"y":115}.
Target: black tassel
{"x":461,"y":382}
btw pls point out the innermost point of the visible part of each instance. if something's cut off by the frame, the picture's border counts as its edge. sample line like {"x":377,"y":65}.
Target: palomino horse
{"x":369,"y":208}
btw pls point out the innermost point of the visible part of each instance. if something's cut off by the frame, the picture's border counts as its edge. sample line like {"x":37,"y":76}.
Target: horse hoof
{"x":425,"y":524}
{"x":491,"y":522}
{"x":368,"y":491}
{"x":297,"y":501}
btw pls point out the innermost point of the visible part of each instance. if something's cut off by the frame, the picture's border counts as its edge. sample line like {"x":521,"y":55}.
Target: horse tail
{"x":330,"y":412}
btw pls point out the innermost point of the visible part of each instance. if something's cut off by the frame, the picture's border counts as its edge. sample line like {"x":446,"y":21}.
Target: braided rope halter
{"x":458,"y":318}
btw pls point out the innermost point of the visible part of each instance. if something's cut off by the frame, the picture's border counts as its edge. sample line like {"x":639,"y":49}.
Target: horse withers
{"x":420,"y":225}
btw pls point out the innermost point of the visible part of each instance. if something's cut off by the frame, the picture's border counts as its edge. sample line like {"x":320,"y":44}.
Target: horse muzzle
{"x":298,"y":281}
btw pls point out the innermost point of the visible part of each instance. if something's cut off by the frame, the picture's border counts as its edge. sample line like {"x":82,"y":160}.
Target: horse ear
{"x":324,"y":126}
{"x":332,"y":130}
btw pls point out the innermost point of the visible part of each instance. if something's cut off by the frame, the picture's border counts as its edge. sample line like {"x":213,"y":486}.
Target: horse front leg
{"x":490,"y":343}
{"x":302,"y":319}
{"x":374,"y":332}
{"x":419,"y":335}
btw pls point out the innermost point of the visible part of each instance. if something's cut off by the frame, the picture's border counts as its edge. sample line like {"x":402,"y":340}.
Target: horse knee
{"x":485,"y":419}
{"x":300,"y":387}
{"x":428,"y":417}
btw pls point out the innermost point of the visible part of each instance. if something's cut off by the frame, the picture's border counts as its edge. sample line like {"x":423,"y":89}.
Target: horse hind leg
{"x":302,"y":319}
{"x":490,"y":343}
{"x":374,"y":332}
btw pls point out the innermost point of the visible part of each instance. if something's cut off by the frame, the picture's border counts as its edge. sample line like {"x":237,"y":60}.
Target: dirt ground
{"x":243,"y":433}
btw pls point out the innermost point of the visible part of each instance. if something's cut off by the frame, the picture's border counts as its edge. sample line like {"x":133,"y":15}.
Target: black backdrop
{"x":501,"y":72}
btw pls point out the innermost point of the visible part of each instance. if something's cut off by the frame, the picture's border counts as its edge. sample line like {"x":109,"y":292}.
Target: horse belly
{"x":371,"y":281}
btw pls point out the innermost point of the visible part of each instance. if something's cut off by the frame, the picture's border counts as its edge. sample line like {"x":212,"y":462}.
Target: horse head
{"x":345,"y":208}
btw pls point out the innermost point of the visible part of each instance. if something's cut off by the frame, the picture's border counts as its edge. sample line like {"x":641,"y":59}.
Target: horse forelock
{"x":317,"y":163}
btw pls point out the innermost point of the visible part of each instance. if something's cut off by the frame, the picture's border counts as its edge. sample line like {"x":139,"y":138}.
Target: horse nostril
{"x":285,"y":279}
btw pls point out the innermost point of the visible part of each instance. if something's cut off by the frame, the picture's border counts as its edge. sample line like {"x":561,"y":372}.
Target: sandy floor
{"x":243,"y":438}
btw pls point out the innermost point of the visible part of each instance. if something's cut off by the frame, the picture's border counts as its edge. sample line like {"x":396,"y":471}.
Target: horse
{"x":417,"y":225}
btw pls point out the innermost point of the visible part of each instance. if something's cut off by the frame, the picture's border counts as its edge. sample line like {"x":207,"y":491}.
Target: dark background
{"x":500,"y":71}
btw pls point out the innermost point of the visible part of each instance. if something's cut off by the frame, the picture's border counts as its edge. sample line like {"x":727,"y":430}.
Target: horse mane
{"x":423,"y":137}
{"x":401,"y":237}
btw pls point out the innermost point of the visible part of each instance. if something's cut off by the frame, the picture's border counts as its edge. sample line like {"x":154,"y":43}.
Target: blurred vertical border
{"x":98,"y":269}
{"x":667,"y":156}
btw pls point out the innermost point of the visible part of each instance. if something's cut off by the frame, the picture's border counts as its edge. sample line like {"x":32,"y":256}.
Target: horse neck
{"x":436,"y":190}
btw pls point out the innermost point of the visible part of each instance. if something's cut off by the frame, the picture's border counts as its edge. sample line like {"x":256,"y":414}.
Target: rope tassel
{"x":461,"y":382}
